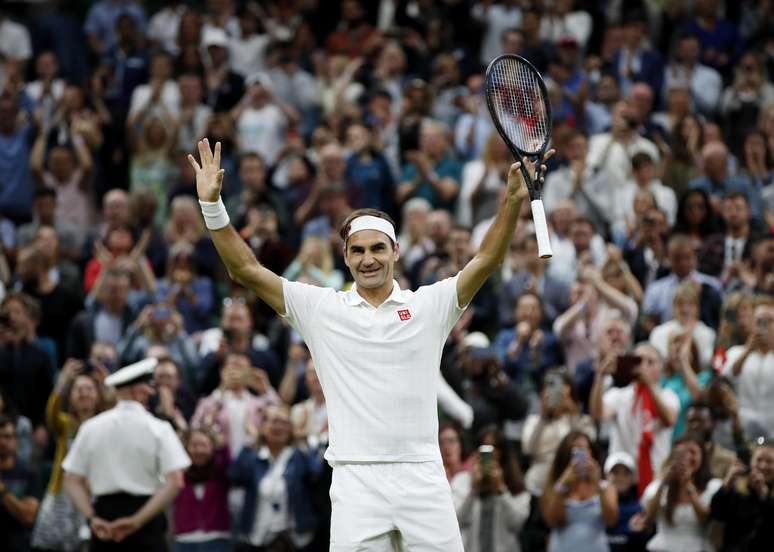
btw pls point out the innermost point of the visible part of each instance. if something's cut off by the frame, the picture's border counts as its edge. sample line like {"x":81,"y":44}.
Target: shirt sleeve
{"x":731,"y":356}
{"x":671,"y":399}
{"x":77,"y":459}
{"x":650,"y":492}
{"x":713,"y":486}
{"x":611,"y":401}
{"x":172,"y":455}
{"x":301,"y":303}
{"x":445,"y":300}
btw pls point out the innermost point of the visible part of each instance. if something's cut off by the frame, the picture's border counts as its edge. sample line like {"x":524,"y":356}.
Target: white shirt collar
{"x":130,"y":405}
{"x":353,"y":298}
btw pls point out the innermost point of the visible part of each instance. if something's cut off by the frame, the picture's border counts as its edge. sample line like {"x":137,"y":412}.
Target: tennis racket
{"x":518,"y":103}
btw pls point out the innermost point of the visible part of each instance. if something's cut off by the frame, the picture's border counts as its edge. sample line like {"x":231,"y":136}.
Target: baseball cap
{"x":258,"y":78}
{"x":620,"y":458}
{"x":477,"y":340}
{"x":212,"y":36}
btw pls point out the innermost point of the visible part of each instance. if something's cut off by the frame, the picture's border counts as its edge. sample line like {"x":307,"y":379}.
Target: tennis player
{"x":377,"y":351}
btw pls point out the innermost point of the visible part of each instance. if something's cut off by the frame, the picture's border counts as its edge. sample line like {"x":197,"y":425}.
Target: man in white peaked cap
{"x":125,"y":467}
{"x":377,"y":351}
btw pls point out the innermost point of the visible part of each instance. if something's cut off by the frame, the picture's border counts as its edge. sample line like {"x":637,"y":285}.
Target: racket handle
{"x":541,"y":229}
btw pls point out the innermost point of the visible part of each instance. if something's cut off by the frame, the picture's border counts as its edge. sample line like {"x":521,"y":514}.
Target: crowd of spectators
{"x":615,"y":397}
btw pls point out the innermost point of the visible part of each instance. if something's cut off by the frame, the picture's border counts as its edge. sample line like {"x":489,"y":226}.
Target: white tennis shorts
{"x":393,"y":506}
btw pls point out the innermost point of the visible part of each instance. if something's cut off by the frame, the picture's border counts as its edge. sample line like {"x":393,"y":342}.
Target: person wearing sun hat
{"x":120,"y":458}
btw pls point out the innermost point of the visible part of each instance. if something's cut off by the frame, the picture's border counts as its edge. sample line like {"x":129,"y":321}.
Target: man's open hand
{"x":209,"y":176}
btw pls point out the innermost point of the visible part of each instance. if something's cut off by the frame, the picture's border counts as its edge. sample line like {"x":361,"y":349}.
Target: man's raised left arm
{"x":498,"y":237}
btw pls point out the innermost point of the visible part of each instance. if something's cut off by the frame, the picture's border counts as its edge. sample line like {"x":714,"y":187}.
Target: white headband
{"x":369,"y":222}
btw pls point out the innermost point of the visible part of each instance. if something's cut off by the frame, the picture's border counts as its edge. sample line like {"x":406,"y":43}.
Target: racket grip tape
{"x":541,"y":229}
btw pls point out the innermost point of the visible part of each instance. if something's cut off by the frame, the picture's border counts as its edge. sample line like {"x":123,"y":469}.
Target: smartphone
{"x":485,"y":454}
{"x":580,"y":456}
{"x":624,"y":370}
{"x":554,"y":390}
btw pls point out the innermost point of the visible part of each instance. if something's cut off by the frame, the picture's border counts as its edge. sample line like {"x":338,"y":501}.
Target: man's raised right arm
{"x":239,"y":259}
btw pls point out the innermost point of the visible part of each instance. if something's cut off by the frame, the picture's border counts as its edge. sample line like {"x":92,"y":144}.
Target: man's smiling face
{"x":371,"y":257}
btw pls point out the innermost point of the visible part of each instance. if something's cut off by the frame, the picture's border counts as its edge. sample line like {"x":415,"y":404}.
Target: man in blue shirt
{"x":718,"y":183}
{"x":100,"y":26}
{"x":432,"y":172}
{"x":15,"y":182}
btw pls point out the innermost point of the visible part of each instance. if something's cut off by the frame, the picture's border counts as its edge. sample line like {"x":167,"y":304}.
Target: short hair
{"x":649,"y":345}
{"x":687,"y":290}
{"x":699,"y":404}
{"x":641,"y":159}
{"x":687,"y":35}
{"x":510,"y":30}
{"x":580,"y":219}
{"x":347,"y":224}
{"x":30,"y":304}
{"x":251,"y":155}
{"x":736,"y":194}
{"x":680,"y":240}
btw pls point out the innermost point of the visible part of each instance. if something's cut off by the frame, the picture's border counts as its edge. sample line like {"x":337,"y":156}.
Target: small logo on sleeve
{"x":404,"y":314}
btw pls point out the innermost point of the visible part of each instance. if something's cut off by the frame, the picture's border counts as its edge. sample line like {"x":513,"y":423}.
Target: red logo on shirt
{"x":404,"y":314}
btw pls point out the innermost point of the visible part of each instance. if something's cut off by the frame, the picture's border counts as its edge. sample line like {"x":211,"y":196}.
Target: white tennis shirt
{"x":378,"y":367}
{"x":125,"y":450}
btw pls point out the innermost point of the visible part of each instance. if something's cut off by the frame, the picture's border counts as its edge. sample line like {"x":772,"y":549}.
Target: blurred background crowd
{"x":625,"y":385}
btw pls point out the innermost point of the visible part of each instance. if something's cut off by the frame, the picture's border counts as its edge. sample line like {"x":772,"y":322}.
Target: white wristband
{"x":215,"y":214}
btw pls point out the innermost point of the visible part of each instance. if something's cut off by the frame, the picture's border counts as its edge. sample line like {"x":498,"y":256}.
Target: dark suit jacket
{"x":81,"y":335}
{"x":651,"y":70}
{"x":25,"y":375}
{"x":713,"y":253}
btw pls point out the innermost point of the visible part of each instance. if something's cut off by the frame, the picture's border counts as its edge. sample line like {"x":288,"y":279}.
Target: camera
{"x":624,"y":370}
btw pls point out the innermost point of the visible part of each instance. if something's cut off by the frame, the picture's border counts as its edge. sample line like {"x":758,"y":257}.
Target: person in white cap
{"x":629,"y":532}
{"x":377,"y":350}
{"x":125,"y":467}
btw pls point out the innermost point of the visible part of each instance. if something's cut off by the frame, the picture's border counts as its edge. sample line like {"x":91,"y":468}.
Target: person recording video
{"x":497,"y":505}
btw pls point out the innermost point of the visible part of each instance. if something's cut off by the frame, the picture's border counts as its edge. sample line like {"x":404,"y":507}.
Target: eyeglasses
{"x":229,"y":301}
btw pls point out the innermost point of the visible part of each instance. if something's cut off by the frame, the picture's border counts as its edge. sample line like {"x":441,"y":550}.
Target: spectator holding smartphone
{"x":577,"y":503}
{"x":679,"y":503}
{"x":746,"y":504}
{"x":496,"y":505}
{"x":751,"y":369}
{"x":627,"y":535}
{"x":643,"y":413}
{"x":543,"y":432}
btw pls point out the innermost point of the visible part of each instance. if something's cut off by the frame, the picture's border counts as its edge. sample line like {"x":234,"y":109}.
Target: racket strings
{"x":520,"y":105}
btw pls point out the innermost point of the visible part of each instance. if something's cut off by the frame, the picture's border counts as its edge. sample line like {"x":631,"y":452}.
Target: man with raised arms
{"x":377,"y":350}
